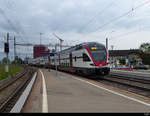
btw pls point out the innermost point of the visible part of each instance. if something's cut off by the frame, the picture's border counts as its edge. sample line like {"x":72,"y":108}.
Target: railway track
{"x":134,"y":82}
{"x":12,"y":89}
{"x":136,"y":85}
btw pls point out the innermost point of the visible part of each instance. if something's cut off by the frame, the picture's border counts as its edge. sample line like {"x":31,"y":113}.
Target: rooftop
{"x":123,"y":52}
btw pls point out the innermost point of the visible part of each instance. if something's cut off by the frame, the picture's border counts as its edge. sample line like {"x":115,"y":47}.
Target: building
{"x":115,"y":55}
{"x":39,"y":50}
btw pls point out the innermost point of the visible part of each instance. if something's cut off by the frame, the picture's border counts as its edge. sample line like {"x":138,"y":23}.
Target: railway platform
{"x":60,"y":92}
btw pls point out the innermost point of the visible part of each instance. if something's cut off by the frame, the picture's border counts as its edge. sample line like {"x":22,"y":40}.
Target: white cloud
{"x":68,"y":17}
{"x":1,"y":50}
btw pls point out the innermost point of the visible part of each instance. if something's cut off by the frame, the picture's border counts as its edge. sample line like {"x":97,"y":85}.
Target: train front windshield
{"x":98,"y":52}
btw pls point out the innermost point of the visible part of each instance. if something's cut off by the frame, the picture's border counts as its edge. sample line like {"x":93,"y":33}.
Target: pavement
{"x":67,"y":93}
{"x":34,"y":101}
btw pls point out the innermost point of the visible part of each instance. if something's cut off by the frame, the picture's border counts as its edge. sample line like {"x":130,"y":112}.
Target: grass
{"x":12,"y":70}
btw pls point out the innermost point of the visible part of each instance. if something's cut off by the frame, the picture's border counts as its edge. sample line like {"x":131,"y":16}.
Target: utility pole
{"x":55,"y":58}
{"x":107,"y":49}
{"x":49,"y":63}
{"x":40,"y":38}
{"x":110,"y":60}
{"x":15,"y":49}
{"x":7,"y":51}
{"x":107,"y":43}
{"x":56,"y":47}
{"x":61,"y":44}
{"x":112,"y":47}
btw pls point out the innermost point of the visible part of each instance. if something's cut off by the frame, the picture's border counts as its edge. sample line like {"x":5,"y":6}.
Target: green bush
{"x":12,"y":70}
{"x":122,"y":61}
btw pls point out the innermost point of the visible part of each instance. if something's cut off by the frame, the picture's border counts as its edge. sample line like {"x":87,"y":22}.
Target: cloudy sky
{"x":126,"y":23}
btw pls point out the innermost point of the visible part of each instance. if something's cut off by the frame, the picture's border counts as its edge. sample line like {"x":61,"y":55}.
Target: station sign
{"x":127,"y":57}
{"x":49,"y":54}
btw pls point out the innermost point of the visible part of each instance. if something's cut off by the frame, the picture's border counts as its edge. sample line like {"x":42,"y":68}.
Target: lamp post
{"x":112,"y":56}
{"x":107,"y":39}
{"x":55,"y":55}
{"x":40,"y":37}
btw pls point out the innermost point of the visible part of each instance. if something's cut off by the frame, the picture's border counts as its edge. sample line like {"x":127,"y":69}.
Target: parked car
{"x":141,"y":66}
{"x":111,"y":66}
{"x":123,"y":67}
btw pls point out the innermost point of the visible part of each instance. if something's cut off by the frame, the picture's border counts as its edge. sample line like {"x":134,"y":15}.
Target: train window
{"x":99,"y":55}
{"x":86,"y":58}
{"x":78,"y":48}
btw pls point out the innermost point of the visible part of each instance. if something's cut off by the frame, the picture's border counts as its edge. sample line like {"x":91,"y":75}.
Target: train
{"x":88,"y":58}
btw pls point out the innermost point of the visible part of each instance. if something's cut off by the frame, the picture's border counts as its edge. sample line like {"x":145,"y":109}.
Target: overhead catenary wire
{"x":9,"y":22}
{"x":124,"y":14}
{"x":9,"y":5}
{"x":17,"y":28}
{"x":128,"y":33}
{"x":93,"y":18}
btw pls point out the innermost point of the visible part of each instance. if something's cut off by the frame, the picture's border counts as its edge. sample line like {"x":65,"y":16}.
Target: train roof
{"x":80,"y":46}
{"x":93,"y":43}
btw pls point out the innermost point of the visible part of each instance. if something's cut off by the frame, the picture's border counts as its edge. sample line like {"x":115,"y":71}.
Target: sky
{"x":126,"y":23}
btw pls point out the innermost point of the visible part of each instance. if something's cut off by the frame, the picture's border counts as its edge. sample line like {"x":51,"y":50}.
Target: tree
{"x":4,"y":61}
{"x":122,"y":61}
{"x":17,"y":61}
{"x":133,"y":61}
{"x":144,"y":50}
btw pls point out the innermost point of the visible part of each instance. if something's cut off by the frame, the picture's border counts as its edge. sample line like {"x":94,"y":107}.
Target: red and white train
{"x":88,"y":58}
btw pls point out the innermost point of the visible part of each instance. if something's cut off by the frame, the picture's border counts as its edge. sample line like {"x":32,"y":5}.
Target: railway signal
{"x":6,"y":47}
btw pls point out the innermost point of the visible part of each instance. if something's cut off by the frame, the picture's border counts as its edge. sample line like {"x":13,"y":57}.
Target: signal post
{"x":6,"y":50}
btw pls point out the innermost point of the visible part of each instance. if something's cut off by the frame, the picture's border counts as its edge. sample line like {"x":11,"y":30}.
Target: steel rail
{"x":143,"y":76}
{"x":5,"y":107}
{"x":12,"y":81}
{"x":129,"y":82}
{"x":130,"y":78}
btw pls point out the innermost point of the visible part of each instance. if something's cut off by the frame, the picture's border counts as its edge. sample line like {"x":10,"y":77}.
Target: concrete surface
{"x":34,"y":101}
{"x":66,"y":94}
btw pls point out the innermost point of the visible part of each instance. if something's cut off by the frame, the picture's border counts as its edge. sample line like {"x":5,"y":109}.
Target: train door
{"x":71,"y":66}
